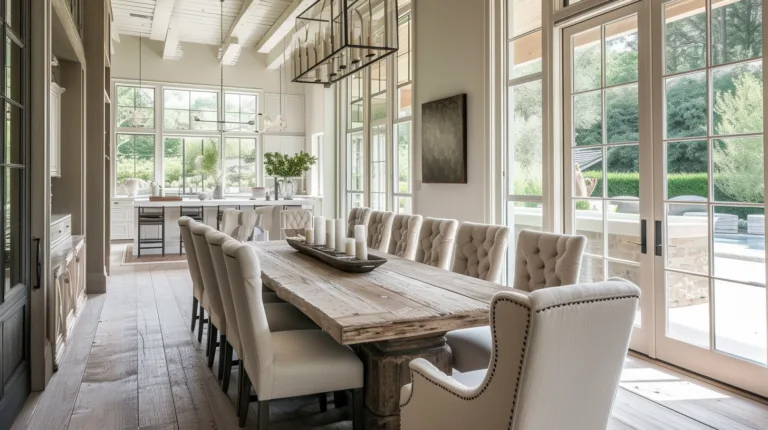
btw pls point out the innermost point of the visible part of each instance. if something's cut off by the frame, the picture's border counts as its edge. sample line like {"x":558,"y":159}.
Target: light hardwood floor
{"x":133,"y":363}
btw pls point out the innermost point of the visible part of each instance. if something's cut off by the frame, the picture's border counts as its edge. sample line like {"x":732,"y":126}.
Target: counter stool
{"x":194,"y":212}
{"x":152,"y":216}
{"x":220,"y":214}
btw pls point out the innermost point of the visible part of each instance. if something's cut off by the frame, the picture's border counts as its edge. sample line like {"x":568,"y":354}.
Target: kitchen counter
{"x":144,"y":202}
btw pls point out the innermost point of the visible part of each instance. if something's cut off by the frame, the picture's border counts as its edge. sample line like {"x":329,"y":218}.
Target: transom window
{"x":135,"y":107}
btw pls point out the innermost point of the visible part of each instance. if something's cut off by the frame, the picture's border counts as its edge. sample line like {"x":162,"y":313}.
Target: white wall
{"x":451,"y":55}
{"x":199,"y":65}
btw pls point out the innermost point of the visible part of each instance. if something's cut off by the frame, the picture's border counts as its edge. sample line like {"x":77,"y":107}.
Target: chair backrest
{"x":380,"y":230}
{"x":545,"y":260}
{"x":436,"y":240}
{"x":216,"y":240}
{"x":294,"y":222}
{"x":405,"y":236}
{"x":189,"y":250}
{"x":207,"y":271}
{"x":230,"y":219}
{"x":357,"y":216}
{"x":245,"y":279}
{"x":552,"y":346}
{"x":479,"y":250}
{"x":241,"y":224}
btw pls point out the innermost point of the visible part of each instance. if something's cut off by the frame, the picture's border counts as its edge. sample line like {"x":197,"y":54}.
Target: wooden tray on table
{"x":337,"y":260}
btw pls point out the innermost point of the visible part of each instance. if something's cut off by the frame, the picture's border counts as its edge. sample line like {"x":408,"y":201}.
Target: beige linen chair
{"x":357,"y":216}
{"x":199,"y":301}
{"x":280,"y":316}
{"x":405,"y":236}
{"x":248,"y":224}
{"x":379,"y":230}
{"x":436,"y":241}
{"x":293,"y":223}
{"x":557,"y":359}
{"x":288,"y":363}
{"x":480,"y":250}
{"x":542,"y":260}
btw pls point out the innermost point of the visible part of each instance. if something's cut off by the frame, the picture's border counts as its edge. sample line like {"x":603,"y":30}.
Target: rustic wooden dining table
{"x":400,"y":311}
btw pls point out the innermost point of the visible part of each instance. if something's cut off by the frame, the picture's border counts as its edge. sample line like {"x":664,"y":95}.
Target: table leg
{"x":386,"y":371}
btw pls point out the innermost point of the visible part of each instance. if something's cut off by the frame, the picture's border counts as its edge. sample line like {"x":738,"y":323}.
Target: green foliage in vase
{"x":286,"y":166}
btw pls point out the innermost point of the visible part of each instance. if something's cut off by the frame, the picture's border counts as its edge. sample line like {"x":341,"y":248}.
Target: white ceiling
{"x":199,"y":21}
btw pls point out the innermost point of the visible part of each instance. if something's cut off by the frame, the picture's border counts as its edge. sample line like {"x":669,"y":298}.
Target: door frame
{"x":642,"y":339}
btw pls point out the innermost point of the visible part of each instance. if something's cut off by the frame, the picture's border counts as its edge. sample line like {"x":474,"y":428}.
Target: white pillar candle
{"x":330,"y":234}
{"x":361,"y":250}
{"x":309,"y":236}
{"x":349,"y":248}
{"x":360,"y":233}
{"x":340,"y":236}
{"x":319,"y":230}
{"x":265,"y":236}
{"x":311,"y":60}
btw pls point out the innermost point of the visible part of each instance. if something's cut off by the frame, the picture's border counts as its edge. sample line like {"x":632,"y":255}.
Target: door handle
{"x":39,"y":265}
{"x":643,"y":239}
{"x":657,"y":242}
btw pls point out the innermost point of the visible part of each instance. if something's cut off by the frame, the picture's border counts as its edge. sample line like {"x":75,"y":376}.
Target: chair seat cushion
{"x":310,"y":361}
{"x":284,"y":316}
{"x":471,"y":348}
{"x":470,"y":379}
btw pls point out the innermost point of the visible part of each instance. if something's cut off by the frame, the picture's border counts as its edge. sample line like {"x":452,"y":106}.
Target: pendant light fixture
{"x":279,"y":123}
{"x":223,"y":123}
{"x":348,"y":36}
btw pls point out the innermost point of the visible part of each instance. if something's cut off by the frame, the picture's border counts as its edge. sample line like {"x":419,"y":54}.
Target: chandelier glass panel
{"x":336,"y":38}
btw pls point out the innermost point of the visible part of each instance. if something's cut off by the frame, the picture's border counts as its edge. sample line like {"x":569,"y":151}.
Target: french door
{"x":14,"y":211}
{"x":608,"y":148}
{"x":664,"y":174}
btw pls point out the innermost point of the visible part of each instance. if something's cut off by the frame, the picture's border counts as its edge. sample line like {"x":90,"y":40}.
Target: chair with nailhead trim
{"x":550,"y":347}
{"x":542,"y":260}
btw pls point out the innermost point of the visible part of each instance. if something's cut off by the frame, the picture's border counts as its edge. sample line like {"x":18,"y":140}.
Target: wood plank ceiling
{"x":198,"y":21}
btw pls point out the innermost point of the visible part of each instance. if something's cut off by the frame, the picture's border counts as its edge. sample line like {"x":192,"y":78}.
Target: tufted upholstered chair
{"x":357,"y":216}
{"x":285,"y":364}
{"x":550,"y":347}
{"x":436,"y":241}
{"x":379,"y":230}
{"x":249,"y":224}
{"x":480,"y":250}
{"x":199,"y":301}
{"x":280,"y":315}
{"x":542,"y":260}
{"x":293,"y":223}
{"x":405,"y":236}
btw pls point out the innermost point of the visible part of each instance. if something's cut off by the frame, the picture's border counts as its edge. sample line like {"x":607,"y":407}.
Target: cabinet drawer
{"x":122,"y":203}
{"x":121,"y":214}
{"x":60,"y":231}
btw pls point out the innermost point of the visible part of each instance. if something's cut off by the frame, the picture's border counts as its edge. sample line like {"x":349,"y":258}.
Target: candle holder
{"x":337,"y":260}
{"x":337,"y":38}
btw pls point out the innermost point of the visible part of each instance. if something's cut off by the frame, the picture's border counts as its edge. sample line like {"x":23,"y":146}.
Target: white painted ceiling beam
{"x":284,"y":25}
{"x":277,"y":55}
{"x":239,"y":30}
{"x":171,"y":48}
{"x":161,"y":19}
{"x":230,"y":52}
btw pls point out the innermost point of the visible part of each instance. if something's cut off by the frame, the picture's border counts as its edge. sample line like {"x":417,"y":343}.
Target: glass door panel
{"x":712,"y":306}
{"x":606,"y":149}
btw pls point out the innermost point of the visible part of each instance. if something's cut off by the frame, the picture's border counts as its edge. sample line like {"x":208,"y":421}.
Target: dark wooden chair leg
{"x":200,"y":326}
{"x":222,"y":350}
{"x":323,"y":402}
{"x":357,"y":409}
{"x":194,"y":313}
{"x":227,"y":368}
{"x":245,"y":398}
{"x":240,"y":383}
{"x":213,"y":334}
{"x":263,"y":415}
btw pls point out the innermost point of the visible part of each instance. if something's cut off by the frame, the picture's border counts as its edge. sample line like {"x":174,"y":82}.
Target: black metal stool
{"x":194,"y":212}
{"x":152,"y":216}
{"x":220,"y":214}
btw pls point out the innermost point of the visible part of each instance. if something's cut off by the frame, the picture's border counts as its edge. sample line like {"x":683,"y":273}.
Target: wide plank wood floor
{"x":133,"y":363}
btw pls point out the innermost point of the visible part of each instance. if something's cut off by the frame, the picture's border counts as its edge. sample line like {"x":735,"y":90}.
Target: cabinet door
{"x":272,"y":105}
{"x":121,"y":230}
{"x":293,"y":107}
{"x":55,"y":137}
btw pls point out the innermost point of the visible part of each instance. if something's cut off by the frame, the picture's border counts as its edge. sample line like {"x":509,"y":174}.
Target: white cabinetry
{"x":285,"y":144}
{"x":292,"y":109}
{"x":122,"y":219}
{"x":55,"y":129}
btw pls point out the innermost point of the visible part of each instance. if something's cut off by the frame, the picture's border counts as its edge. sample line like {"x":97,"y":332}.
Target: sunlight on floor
{"x":660,"y":386}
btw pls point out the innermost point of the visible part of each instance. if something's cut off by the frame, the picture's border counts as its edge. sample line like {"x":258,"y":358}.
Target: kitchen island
{"x":211,"y":208}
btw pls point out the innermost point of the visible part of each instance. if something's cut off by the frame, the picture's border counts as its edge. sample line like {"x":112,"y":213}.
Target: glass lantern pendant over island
{"x":336,"y":38}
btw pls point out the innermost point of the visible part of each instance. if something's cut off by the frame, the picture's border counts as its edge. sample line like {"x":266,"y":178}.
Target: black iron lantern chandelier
{"x":337,"y":38}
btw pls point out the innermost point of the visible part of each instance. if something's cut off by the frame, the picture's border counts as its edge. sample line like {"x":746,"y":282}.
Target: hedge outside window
{"x":135,"y":159}
{"x":135,"y":107}
{"x":240,"y":164}
{"x":181,"y":173}
{"x":182,"y":106}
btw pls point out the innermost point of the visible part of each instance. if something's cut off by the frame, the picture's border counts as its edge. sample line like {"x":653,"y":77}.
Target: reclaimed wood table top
{"x":401,"y":299}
